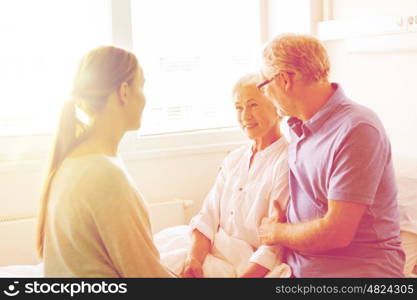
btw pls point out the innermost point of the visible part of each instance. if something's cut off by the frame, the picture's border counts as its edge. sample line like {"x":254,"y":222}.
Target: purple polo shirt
{"x":343,"y":153}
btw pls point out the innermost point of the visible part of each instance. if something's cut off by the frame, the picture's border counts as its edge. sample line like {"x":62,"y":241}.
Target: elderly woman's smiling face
{"x":255,"y":113}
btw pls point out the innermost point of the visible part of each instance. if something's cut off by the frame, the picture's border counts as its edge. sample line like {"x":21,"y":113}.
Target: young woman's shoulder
{"x":102,"y":165}
{"x":96,"y":174}
{"x":96,"y":166}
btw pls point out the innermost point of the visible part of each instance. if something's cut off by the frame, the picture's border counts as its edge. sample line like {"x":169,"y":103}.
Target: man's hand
{"x":192,"y":268}
{"x":336,"y":229}
{"x":268,"y":228}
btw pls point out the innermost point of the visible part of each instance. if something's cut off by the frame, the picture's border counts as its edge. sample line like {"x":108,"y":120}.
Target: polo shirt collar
{"x":318,"y":119}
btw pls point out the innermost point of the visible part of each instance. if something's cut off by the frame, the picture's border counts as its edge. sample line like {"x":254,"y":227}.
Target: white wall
{"x":285,"y":16}
{"x":382,"y":80}
{"x":282,"y":16}
{"x":186,"y":177}
{"x":347,"y":9}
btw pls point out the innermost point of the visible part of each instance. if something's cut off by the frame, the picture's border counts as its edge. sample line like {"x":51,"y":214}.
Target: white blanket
{"x":30,"y":271}
{"x":229,"y":256}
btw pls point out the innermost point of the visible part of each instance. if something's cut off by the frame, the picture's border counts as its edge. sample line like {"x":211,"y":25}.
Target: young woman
{"x":93,"y":221}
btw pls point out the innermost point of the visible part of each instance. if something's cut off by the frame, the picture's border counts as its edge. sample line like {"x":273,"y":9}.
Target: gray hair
{"x":301,"y":54}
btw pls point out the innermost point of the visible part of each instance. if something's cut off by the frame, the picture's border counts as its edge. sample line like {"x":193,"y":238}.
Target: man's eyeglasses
{"x":261,"y":85}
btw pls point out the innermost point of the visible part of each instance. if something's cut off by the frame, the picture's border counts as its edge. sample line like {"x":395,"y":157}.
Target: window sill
{"x":34,"y":148}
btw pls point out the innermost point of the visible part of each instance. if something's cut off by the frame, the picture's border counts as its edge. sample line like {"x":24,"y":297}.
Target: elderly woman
{"x":224,"y":233}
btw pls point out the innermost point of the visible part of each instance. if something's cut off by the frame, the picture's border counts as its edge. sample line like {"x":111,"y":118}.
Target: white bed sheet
{"x":31,"y":271}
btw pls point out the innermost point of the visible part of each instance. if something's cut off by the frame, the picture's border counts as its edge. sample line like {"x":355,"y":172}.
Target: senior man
{"x":342,"y":219}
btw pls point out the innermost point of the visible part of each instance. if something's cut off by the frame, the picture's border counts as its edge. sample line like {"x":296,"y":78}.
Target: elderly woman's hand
{"x":269,"y":226}
{"x":279,"y":213}
{"x":192,"y":268}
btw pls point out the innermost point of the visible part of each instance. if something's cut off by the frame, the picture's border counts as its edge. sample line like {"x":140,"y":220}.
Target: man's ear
{"x":287,"y":80}
{"x":123,"y":93}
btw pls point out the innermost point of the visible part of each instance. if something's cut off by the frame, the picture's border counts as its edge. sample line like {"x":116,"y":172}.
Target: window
{"x":42,"y":43}
{"x":192,"y":52}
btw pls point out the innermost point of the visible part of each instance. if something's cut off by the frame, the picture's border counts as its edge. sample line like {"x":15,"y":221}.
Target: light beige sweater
{"x":97,"y":223}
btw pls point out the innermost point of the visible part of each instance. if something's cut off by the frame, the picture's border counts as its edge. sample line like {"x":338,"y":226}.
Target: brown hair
{"x":100,"y":72}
